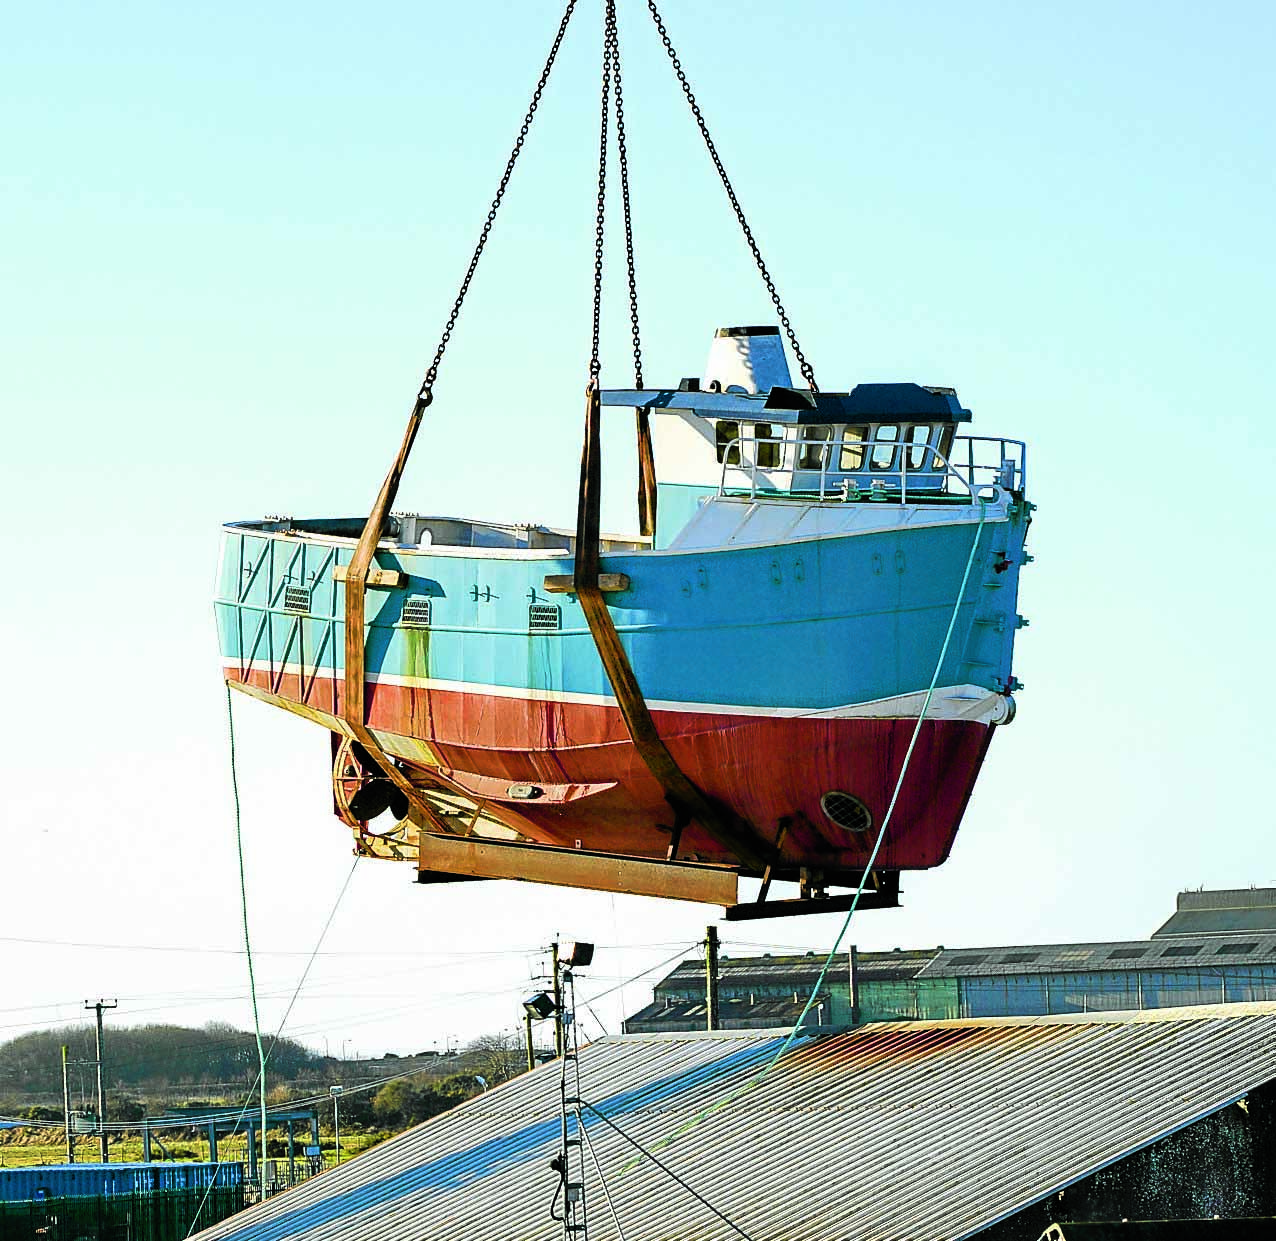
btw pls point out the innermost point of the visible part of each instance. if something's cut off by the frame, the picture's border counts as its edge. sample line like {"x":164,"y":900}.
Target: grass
{"x":127,"y":1148}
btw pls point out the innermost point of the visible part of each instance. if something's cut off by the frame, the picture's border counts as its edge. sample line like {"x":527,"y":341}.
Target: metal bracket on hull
{"x":883,"y":894}
{"x":444,"y":858}
{"x":684,"y":795}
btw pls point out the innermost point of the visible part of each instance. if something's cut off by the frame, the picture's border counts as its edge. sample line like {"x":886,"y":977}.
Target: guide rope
{"x":243,"y":909}
{"x":899,"y":787}
{"x":261,"y":1072}
{"x":796,"y":1031}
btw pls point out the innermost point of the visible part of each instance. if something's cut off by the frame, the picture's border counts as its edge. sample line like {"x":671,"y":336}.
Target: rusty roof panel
{"x":921,"y":1130}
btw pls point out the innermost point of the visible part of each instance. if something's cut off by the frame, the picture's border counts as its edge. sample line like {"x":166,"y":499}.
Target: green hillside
{"x":151,"y":1060}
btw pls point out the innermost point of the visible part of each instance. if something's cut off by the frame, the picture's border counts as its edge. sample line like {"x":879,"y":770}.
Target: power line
{"x":290,"y":952}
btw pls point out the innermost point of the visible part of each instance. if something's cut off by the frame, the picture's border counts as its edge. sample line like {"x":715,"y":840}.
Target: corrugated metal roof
{"x":758,"y":971}
{"x":693,"y":1014}
{"x":1179,"y":952}
{"x":1182,"y":952}
{"x":920,"y":1130}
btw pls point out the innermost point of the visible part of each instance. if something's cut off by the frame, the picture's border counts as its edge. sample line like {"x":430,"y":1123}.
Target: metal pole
{"x":558,"y":1001}
{"x":98,"y":1006}
{"x":335,"y":1091}
{"x":531,"y":1048}
{"x":66,"y":1109}
{"x":712,"y":1021}
{"x":853,"y":962}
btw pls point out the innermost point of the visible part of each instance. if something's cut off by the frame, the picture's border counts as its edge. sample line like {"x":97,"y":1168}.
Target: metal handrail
{"x":1009,"y":472}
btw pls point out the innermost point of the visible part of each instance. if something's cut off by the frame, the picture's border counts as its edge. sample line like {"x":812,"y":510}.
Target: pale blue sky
{"x":228,"y":239}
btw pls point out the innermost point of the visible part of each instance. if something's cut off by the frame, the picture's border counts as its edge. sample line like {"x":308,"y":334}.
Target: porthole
{"x":846,"y":810}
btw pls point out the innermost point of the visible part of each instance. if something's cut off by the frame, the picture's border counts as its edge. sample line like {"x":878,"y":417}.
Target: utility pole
{"x":98,"y":1006}
{"x":66,"y":1109}
{"x":712,"y":1018}
{"x":531,"y":1046}
{"x":559,"y":1041}
{"x":854,"y":962}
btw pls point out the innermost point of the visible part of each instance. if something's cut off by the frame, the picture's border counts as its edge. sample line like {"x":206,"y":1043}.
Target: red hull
{"x":769,"y":769}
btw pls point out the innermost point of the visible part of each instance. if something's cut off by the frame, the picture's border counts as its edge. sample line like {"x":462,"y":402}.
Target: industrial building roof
{"x":1181,"y":952}
{"x":734,"y":1013}
{"x":919,"y":1130}
{"x":1226,"y":912}
{"x":1175,"y":953}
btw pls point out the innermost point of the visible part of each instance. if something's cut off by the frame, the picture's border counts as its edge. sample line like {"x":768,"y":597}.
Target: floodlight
{"x":580,"y":953}
{"x":540,"y":1005}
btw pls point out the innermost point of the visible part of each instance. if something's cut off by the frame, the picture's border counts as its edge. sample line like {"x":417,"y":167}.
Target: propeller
{"x":377,"y":793}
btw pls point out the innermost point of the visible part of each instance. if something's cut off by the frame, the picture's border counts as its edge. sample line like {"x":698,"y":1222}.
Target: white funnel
{"x":746,"y":358}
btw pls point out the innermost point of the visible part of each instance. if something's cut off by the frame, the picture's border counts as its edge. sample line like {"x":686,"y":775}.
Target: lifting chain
{"x":805,"y":366}
{"x":426,"y":395}
{"x":612,"y":79}
{"x":600,"y":212}
{"x":622,"y":152}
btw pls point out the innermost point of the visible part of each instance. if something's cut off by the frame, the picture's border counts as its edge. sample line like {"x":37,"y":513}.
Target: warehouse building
{"x":1218,"y":948}
{"x":997,"y":1128}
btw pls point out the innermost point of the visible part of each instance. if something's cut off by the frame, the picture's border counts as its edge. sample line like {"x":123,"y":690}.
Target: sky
{"x":229,"y":238}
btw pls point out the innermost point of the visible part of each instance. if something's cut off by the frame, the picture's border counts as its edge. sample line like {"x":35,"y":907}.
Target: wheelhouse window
{"x":947,"y":432}
{"x":766,"y":446}
{"x":918,"y":440}
{"x":814,"y":449}
{"x":727,"y":436}
{"x":852,"y":456}
{"x":885,"y":440}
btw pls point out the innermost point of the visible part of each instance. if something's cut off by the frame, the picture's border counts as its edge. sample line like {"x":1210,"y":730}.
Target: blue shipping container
{"x":90,"y":1180}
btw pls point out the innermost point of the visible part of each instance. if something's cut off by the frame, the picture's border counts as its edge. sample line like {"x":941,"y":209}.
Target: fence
{"x":162,"y":1216}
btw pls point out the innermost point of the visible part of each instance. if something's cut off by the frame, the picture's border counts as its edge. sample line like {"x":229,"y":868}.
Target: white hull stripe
{"x":950,"y":702}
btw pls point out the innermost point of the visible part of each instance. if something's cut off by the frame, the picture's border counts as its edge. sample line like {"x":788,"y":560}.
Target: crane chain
{"x":807,"y":372}
{"x":600,"y":212}
{"x":613,"y":35}
{"x":426,"y":394}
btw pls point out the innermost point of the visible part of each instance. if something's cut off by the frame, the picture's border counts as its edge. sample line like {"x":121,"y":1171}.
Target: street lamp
{"x":335,"y":1092}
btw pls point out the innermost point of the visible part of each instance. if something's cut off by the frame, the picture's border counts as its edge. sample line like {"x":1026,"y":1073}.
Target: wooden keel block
{"x":391,"y":579}
{"x":608,"y":583}
{"x":475,"y":858}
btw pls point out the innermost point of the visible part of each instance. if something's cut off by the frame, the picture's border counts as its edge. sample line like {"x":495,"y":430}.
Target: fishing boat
{"x":784,"y":623}
{"x":792,"y":672}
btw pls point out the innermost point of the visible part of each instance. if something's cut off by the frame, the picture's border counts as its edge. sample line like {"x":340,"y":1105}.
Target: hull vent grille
{"x":544,"y":618}
{"x":417,"y":611}
{"x":296,"y":599}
